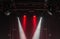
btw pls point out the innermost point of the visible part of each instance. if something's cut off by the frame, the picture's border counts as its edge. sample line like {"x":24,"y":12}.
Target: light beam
{"x":21,"y":31}
{"x":34,"y":23}
{"x":37,"y":32}
{"x":24,"y":22}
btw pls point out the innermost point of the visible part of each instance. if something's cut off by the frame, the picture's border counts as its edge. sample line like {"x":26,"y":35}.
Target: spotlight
{"x":24,"y":16}
{"x":34,"y":16}
{"x":37,"y":32}
{"x":34,"y":21}
{"x":24,"y":20}
{"x":7,"y":13}
{"x":21,"y":31}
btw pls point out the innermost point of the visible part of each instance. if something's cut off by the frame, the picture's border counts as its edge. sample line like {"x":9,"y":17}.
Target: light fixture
{"x":37,"y":32}
{"x":21,"y":31}
{"x":7,"y":13}
{"x":50,"y":13}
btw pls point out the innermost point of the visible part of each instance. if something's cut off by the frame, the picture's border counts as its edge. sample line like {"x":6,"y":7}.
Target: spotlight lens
{"x":24,"y":15}
{"x":34,"y":16}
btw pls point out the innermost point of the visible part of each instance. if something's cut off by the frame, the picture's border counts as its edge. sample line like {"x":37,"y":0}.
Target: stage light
{"x":21,"y":31}
{"x":24,"y":16}
{"x":34,"y":20}
{"x":7,"y":13}
{"x":24,"y":22}
{"x":34,"y":23}
{"x":37,"y":32}
{"x":34,"y":16}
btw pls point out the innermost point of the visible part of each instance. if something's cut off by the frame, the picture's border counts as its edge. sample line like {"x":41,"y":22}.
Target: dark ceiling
{"x":21,"y":5}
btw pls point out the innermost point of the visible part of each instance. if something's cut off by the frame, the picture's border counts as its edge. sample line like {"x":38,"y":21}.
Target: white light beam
{"x":21,"y":31}
{"x":37,"y":32}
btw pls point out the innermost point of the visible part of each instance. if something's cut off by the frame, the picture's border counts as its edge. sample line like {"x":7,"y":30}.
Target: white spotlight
{"x":37,"y":32}
{"x":7,"y":13}
{"x":21,"y":31}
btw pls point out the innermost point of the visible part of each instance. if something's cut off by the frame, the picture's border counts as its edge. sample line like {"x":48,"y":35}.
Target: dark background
{"x":51,"y":24}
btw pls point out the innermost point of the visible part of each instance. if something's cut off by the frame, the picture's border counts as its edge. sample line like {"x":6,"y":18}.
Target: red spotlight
{"x":24,"y":16}
{"x":34,"y":23}
{"x":24,"y":22}
{"x":34,"y":16}
{"x":34,"y":20}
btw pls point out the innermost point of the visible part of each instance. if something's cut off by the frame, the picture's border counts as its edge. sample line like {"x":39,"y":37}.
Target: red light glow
{"x":34,"y":22}
{"x":24,"y":22}
{"x":34,"y":16}
{"x":24,"y":16}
